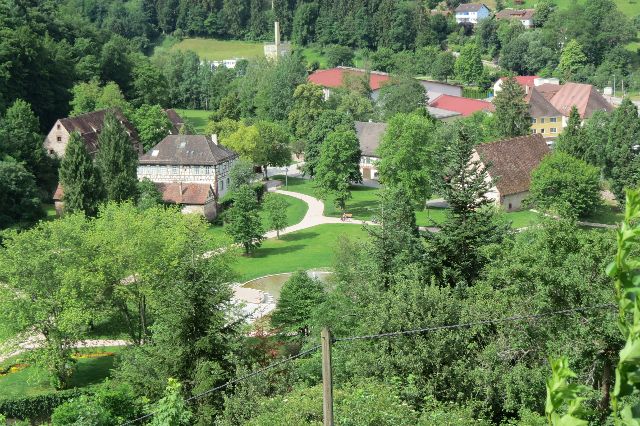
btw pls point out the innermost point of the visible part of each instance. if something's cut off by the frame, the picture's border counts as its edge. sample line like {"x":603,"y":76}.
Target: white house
{"x":525,"y":16}
{"x":471,"y":13}
{"x":369,"y":136}
{"x":189,"y":170}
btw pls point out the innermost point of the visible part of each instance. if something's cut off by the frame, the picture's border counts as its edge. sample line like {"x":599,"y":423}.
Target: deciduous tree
{"x":152,"y":125}
{"x":468,"y":67}
{"x":243,"y":219}
{"x":276,"y":208}
{"x":338,"y":166}
{"x":19,"y":201}
{"x":565,"y":185}
{"x":402,"y":95}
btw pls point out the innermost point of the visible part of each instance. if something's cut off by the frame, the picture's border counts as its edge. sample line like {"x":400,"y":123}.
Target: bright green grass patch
{"x":306,"y":249}
{"x":218,"y":50}
{"x":296,"y":209}
{"x":610,"y":215}
{"x":88,"y":371}
{"x":198,"y":118}
{"x":630,"y":8}
{"x":363,"y":203}
{"x":431,"y":216}
{"x":523,"y":219}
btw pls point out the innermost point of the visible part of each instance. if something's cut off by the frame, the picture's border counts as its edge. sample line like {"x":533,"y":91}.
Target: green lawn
{"x":630,"y":8}
{"x":218,"y":50}
{"x":310,"y":248}
{"x":89,"y":371}
{"x":607,"y":214}
{"x":296,"y":209}
{"x":198,"y":118}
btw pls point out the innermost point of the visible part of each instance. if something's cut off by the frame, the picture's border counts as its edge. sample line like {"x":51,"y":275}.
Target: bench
{"x":346,"y":216}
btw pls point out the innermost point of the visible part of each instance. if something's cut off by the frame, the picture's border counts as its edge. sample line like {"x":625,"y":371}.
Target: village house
{"x":585,"y":97}
{"x":88,"y":126}
{"x":460,"y":105}
{"x":370,"y":136}
{"x":523,"y":80}
{"x":525,"y":16}
{"x":471,"y":13}
{"x":189,"y":170}
{"x":545,"y":118}
{"x":510,"y":163}
{"x":437,"y":88}
{"x":336,"y":77}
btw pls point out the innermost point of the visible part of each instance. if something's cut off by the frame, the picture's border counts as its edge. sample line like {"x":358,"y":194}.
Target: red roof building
{"x":334,"y":77}
{"x":464,"y":106}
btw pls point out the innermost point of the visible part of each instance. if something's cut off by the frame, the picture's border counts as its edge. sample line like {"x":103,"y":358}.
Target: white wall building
{"x":471,"y":13}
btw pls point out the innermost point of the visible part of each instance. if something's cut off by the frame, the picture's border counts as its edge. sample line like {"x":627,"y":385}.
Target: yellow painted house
{"x":545,"y":118}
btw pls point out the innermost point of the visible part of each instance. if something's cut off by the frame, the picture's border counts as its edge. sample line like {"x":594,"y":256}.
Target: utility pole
{"x":327,"y":385}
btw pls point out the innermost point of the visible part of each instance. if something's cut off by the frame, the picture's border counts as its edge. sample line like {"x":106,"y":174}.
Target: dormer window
{"x":58,"y":126}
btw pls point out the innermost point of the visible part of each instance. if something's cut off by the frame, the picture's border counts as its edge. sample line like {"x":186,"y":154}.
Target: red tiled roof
{"x":464,"y":106}
{"x":192,"y":193}
{"x":523,"y":80}
{"x":334,"y":77}
{"x":584,"y":96}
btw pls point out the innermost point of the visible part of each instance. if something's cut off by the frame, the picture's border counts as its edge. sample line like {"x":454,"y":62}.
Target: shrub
{"x":565,"y":185}
{"x":38,"y":406}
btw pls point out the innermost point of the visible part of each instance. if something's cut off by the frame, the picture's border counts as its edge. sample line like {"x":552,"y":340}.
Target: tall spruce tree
{"x":80,"y":179}
{"x":512,"y":112}
{"x":622,"y":162}
{"x":456,"y":251}
{"x":570,"y":140}
{"x":117,"y":161}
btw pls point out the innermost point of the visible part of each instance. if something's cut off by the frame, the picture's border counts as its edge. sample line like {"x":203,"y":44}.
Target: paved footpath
{"x":34,"y":342}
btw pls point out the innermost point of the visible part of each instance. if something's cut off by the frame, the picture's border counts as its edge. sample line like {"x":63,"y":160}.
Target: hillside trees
{"x":404,"y":95}
{"x":80,"y":179}
{"x":152,"y":125}
{"x":19,"y":198}
{"x":468,"y":67}
{"x":327,"y":122}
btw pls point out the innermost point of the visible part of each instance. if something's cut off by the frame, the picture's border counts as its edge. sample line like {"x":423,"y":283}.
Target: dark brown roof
{"x":176,"y":121}
{"x":548,"y":90}
{"x":187,"y":150}
{"x":90,"y":125}
{"x":370,"y":136}
{"x":511,"y":161}
{"x":584,"y":96}
{"x":185,"y":193}
{"x":470,"y":7}
{"x":539,"y":106}
{"x":522,"y":14}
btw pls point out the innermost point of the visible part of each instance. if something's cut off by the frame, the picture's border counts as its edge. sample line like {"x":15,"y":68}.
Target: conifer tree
{"x":570,"y":140}
{"x":80,"y":179}
{"x":512,"y":112}
{"x":117,"y":161}
{"x":455,"y":252}
{"x":622,"y":162}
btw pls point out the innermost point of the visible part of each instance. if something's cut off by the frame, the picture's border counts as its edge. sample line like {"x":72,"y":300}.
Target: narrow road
{"x":34,"y":342}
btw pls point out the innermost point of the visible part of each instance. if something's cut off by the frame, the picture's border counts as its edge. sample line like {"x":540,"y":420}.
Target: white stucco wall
{"x":52,"y":145}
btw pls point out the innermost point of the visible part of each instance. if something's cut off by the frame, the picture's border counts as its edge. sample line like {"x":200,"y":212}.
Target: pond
{"x":272,"y":284}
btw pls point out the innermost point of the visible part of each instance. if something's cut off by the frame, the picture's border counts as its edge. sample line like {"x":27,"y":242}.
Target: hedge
{"x":39,"y":406}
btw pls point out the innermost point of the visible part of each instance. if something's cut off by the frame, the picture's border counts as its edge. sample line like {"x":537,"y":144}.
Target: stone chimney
{"x":214,"y":139}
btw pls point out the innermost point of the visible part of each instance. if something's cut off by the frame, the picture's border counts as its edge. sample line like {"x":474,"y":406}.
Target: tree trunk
{"x":605,"y":386}
{"x":277,"y":234}
{"x":143,"y":319}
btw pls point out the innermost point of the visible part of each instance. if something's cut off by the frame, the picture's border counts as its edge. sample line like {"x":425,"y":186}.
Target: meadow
{"x":216,"y":50}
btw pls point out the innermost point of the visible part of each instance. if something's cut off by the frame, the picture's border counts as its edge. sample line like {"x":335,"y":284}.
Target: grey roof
{"x":89,"y":126}
{"x":470,"y":7}
{"x":441,"y":114}
{"x":176,"y":121}
{"x":193,"y":150}
{"x":539,"y":106}
{"x":370,"y":136}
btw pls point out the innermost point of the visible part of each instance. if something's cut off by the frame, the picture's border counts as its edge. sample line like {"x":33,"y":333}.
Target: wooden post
{"x":327,"y":385}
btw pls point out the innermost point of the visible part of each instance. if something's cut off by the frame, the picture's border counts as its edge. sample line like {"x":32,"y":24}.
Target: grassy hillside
{"x":215,"y":50}
{"x":628,"y":7}
{"x":198,"y":118}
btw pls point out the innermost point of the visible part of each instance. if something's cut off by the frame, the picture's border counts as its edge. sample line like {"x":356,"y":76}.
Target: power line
{"x":471,"y":324}
{"x":234,"y":381}
{"x":388,"y":335}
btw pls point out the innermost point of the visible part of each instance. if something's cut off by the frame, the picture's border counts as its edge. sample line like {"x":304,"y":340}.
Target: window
{"x":59,"y":138}
{"x":542,"y":120}
{"x":175,"y":170}
{"x":533,"y":121}
{"x":51,"y":152}
{"x":58,"y":126}
{"x":554,"y":130}
{"x":553,"y":119}
{"x":541,"y":130}
{"x":510,"y":206}
{"x":196,"y":170}
{"x":533,"y":130}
